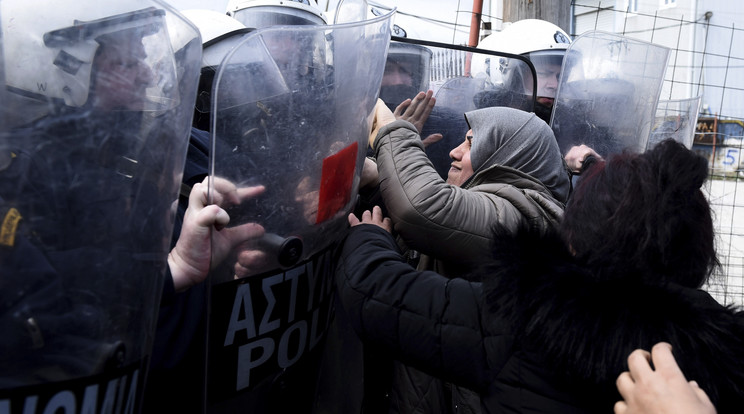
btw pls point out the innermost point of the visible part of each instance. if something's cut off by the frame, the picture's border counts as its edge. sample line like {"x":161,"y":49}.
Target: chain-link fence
{"x":706,"y":61}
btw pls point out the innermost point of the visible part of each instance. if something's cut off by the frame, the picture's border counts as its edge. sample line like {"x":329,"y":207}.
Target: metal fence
{"x":446,"y":64}
{"x":706,"y":61}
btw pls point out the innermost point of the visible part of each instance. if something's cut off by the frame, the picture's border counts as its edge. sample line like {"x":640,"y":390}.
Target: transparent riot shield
{"x":675,"y":119}
{"x":462,"y":78}
{"x":293,"y":108}
{"x":86,"y":189}
{"x":608,"y":93}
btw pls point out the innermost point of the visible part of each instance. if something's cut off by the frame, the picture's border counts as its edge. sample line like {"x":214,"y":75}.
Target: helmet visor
{"x":407,"y":72}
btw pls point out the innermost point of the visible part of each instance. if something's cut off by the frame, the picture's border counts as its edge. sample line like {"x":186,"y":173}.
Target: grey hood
{"x":520,"y":140}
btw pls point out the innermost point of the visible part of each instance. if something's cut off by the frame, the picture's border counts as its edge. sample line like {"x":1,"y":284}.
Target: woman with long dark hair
{"x":547,"y":324}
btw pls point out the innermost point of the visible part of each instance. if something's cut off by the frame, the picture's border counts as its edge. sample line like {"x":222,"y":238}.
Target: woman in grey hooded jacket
{"x":508,"y":172}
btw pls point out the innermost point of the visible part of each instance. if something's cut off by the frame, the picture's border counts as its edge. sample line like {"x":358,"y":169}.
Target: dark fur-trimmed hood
{"x":585,"y":329}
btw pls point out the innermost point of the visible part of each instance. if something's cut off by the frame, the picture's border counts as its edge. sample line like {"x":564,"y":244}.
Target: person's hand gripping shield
{"x":297,"y":125}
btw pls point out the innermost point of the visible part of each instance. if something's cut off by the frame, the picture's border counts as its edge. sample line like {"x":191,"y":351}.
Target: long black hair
{"x":644,"y":215}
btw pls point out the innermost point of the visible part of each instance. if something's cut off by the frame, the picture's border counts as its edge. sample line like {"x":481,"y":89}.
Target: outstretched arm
{"x":425,"y":319}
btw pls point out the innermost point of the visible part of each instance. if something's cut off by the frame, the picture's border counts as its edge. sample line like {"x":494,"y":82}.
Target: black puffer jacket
{"x":540,"y":336}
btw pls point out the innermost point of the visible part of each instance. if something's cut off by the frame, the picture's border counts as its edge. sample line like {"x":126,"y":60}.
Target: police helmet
{"x":257,"y":14}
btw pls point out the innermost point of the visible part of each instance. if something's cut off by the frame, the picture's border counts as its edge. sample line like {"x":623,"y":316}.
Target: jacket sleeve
{"x":430,"y":215}
{"x":426,"y":320}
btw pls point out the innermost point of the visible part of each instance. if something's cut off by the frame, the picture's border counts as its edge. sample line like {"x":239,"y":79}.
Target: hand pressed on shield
{"x":372,"y":217}
{"x":417,"y":111}
{"x":660,"y":390}
{"x":199,"y":248}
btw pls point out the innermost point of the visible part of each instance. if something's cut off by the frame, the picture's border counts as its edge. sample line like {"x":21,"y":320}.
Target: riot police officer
{"x":93,"y":169}
{"x":285,"y":116}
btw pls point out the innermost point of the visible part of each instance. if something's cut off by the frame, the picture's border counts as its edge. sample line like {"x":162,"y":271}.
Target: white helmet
{"x":219,"y":33}
{"x":544,"y":44}
{"x":540,"y":41}
{"x":257,"y":14}
{"x":527,"y":36}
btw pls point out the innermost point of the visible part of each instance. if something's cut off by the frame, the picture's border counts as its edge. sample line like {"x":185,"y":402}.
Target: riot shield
{"x":293,"y":108}
{"x":462,"y":79}
{"x":675,"y":119}
{"x":608,"y":93}
{"x":101,"y":96}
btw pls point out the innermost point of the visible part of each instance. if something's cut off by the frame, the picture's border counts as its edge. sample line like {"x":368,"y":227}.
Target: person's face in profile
{"x":396,"y":74}
{"x":121,"y":76}
{"x":547,"y":82}
{"x":461,"y":169}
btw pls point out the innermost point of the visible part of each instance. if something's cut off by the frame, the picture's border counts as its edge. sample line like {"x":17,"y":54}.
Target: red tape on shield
{"x":336,"y":181}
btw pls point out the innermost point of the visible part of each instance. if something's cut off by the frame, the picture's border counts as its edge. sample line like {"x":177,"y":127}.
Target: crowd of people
{"x":519,"y":279}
